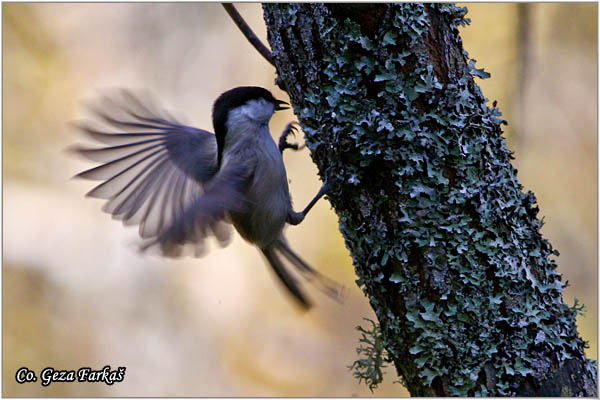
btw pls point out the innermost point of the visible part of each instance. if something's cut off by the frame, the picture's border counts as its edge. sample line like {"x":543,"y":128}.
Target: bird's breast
{"x":269,"y":199}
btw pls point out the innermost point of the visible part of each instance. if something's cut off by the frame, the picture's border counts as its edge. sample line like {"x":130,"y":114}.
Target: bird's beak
{"x":281,"y":105}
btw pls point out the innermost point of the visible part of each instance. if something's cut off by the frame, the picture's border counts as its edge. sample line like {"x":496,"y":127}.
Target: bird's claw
{"x":283,"y":144}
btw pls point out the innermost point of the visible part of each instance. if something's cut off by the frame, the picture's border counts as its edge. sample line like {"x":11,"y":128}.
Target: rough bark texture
{"x":445,"y":243}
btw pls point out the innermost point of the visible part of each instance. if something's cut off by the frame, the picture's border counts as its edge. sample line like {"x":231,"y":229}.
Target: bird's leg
{"x":294,"y":218}
{"x":283,"y":144}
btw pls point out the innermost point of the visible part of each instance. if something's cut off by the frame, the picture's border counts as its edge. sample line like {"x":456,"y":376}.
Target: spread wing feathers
{"x":223,"y":194}
{"x":153,"y":168}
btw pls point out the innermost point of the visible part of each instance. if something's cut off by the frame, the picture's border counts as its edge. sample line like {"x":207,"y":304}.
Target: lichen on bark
{"x":445,"y":242}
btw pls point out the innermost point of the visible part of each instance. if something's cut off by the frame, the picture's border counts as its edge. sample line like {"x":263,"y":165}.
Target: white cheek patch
{"x":258,"y":110}
{"x":245,"y":120}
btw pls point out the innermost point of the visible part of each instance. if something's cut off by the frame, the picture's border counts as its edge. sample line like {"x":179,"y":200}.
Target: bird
{"x":182,"y":184}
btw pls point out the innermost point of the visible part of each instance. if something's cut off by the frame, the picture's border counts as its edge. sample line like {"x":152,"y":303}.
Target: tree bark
{"x":445,"y":243}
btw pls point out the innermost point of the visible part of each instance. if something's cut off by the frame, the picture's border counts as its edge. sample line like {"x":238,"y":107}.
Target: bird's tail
{"x":326,"y":285}
{"x":284,"y":276}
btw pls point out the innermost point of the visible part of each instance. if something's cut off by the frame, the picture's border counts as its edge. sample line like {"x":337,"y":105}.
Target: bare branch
{"x":247,"y":31}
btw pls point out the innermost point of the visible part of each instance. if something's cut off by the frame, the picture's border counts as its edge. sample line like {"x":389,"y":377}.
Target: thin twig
{"x":247,"y":31}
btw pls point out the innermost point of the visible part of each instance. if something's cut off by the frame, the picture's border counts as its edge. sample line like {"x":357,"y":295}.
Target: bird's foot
{"x":291,"y":128}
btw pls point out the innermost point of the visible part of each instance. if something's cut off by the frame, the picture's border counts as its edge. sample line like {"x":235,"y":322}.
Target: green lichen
{"x":445,"y":243}
{"x":369,"y":368}
{"x":566,"y":392}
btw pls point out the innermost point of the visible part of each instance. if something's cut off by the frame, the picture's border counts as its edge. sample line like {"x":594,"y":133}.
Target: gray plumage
{"x":182,"y":184}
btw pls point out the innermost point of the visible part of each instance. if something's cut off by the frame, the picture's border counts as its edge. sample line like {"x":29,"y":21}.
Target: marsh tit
{"x":182,"y":184}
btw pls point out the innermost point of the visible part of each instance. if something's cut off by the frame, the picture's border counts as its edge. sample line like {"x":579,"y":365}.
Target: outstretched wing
{"x":225,"y":193}
{"x":153,"y":168}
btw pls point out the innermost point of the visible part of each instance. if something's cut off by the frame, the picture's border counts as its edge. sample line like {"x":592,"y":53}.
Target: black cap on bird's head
{"x":235,"y":98}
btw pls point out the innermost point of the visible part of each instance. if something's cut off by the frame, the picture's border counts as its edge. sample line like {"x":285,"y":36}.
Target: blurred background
{"x":77,"y":293}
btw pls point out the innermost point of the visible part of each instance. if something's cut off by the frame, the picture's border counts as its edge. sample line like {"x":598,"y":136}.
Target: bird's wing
{"x":225,"y":193}
{"x":153,"y":168}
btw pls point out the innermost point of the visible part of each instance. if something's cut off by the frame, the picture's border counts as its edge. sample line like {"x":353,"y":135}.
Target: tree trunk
{"x":445,"y":243}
